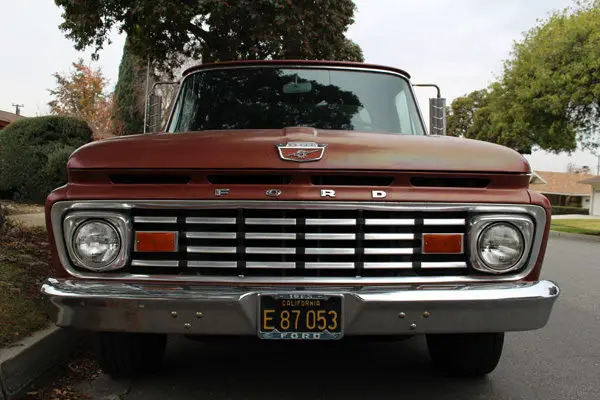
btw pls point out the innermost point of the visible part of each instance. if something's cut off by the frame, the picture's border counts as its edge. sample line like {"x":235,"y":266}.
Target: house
{"x":564,"y":188}
{"x":594,"y":184}
{"x":6,"y":118}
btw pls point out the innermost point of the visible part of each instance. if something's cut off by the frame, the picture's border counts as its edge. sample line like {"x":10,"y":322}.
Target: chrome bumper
{"x":414,"y":309}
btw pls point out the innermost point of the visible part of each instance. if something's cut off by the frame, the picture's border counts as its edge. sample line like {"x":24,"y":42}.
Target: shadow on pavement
{"x":253,"y":369}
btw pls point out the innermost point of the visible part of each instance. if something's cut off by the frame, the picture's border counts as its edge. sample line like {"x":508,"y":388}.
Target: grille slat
{"x":212,"y":264}
{"x":216,"y":250}
{"x":330,"y":236}
{"x":270,"y":221}
{"x":330,"y":265}
{"x":211,"y":221}
{"x":211,"y":235}
{"x":330,"y":222}
{"x":397,"y":222}
{"x":300,"y":242}
{"x":270,"y":236}
{"x":270,"y":265}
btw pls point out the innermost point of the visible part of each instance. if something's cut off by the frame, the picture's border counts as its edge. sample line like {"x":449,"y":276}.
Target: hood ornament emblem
{"x":301,"y":151}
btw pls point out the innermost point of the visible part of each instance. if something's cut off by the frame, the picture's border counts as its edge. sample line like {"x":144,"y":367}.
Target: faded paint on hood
{"x":256,"y":149}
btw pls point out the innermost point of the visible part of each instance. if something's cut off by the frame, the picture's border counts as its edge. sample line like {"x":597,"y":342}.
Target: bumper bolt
{"x":187,"y":325}
{"x":426,"y":314}
{"x":402,"y":315}
{"x":174,"y":314}
{"x":199,"y":314}
{"x":413,"y":327}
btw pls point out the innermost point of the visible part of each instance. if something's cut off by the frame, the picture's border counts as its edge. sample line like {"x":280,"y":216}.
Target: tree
{"x":128,"y":108}
{"x":216,"y":30}
{"x":549,"y":93}
{"x":81,"y":94}
{"x":461,"y":113}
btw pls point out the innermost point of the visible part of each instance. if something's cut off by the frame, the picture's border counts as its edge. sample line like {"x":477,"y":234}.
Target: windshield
{"x":275,"y":98}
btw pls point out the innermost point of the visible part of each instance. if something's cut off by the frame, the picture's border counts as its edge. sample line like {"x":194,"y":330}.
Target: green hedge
{"x":34,"y":154}
{"x":562,"y":210}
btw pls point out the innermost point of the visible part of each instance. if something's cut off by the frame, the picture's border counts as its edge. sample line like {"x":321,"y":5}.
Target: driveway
{"x":561,"y":361}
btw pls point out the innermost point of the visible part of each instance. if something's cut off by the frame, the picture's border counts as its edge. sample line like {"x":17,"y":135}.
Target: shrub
{"x":562,"y":210}
{"x":34,"y":152}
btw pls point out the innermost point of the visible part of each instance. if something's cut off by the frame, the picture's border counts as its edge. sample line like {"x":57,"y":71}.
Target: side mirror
{"x":437,"y":111}
{"x":437,"y":116}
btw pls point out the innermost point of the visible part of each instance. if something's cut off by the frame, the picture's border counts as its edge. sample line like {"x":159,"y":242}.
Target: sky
{"x":458,"y":44}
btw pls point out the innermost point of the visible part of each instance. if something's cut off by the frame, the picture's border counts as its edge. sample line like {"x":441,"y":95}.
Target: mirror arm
{"x":439,"y":92}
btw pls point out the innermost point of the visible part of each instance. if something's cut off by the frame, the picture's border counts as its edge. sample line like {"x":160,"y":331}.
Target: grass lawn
{"x":24,"y":264}
{"x":585,"y":226}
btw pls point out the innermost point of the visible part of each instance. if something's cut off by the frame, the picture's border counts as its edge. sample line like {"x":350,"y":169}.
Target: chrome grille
{"x":299,"y":242}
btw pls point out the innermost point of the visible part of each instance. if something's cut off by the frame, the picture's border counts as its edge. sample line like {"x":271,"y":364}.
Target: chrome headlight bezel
{"x":121,"y":223}
{"x":480,"y":224}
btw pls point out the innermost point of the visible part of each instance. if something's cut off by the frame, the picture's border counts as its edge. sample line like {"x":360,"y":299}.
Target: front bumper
{"x":398,"y":310}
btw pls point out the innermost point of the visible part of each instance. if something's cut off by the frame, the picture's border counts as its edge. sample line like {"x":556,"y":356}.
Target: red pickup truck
{"x":298,"y":200}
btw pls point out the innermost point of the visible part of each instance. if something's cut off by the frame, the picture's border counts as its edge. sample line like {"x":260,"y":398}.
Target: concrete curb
{"x":578,"y":236}
{"x":29,"y":359}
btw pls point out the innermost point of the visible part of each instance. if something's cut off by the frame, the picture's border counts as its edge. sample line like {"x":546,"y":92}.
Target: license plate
{"x":300,"y":317}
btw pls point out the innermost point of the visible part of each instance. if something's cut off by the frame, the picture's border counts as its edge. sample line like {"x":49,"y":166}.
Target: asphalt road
{"x":561,"y":361}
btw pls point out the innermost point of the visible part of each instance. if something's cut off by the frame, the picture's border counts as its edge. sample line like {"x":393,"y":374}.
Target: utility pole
{"x":146,"y":96}
{"x":18,"y":108}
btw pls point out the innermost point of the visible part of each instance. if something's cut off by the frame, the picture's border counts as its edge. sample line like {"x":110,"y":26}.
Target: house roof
{"x":562,"y":183}
{"x":9,"y":117}
{"x":595,"y":179}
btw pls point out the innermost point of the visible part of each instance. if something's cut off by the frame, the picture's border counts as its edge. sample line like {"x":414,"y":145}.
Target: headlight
{"x":98,"y":241}
{"x":500,"y":246}
{"x":96,"y":244}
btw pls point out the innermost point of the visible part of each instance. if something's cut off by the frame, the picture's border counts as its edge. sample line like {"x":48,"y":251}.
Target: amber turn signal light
{"x":443,"y":243}
{"x":156,"y":242}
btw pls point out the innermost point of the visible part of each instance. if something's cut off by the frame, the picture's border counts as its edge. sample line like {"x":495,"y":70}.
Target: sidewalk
{"x":29,"y":220}
{"x":575,"y":216}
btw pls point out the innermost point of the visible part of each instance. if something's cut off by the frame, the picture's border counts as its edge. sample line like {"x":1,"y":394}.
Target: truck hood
{"x":256,"y":149}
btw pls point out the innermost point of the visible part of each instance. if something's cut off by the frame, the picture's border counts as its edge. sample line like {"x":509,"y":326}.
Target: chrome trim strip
{"x":390,"y":221}
{"x":330,"y":236}
{"x":155,"y":220}
{"x":444,"y":222}
{"x":443,"y":265}
{"x":211,"y":250}
{"x":155,"y":263}
{"x":390,"y":265}
{"x":329,"y":265}
{"x":62,"y":208}
{"x":270,"y":265}
{"x":330,"y":221}
{"x":270,"y":250}
{"x":389,"y":236}
{"x":270,"y":221}
{"x":383,"y":250}
{"x":212,"y":264}
{"x":211,"y":235}
{"x":216,"y":221}
{"x":326,"y":251}
{"x":269,"y":236}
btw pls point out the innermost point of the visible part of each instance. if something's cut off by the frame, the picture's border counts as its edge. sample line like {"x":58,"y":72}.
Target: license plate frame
{"x":277,"y":302}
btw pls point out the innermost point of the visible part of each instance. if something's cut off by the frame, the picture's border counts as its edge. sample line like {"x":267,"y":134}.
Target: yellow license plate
{"x":300,"y":317}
